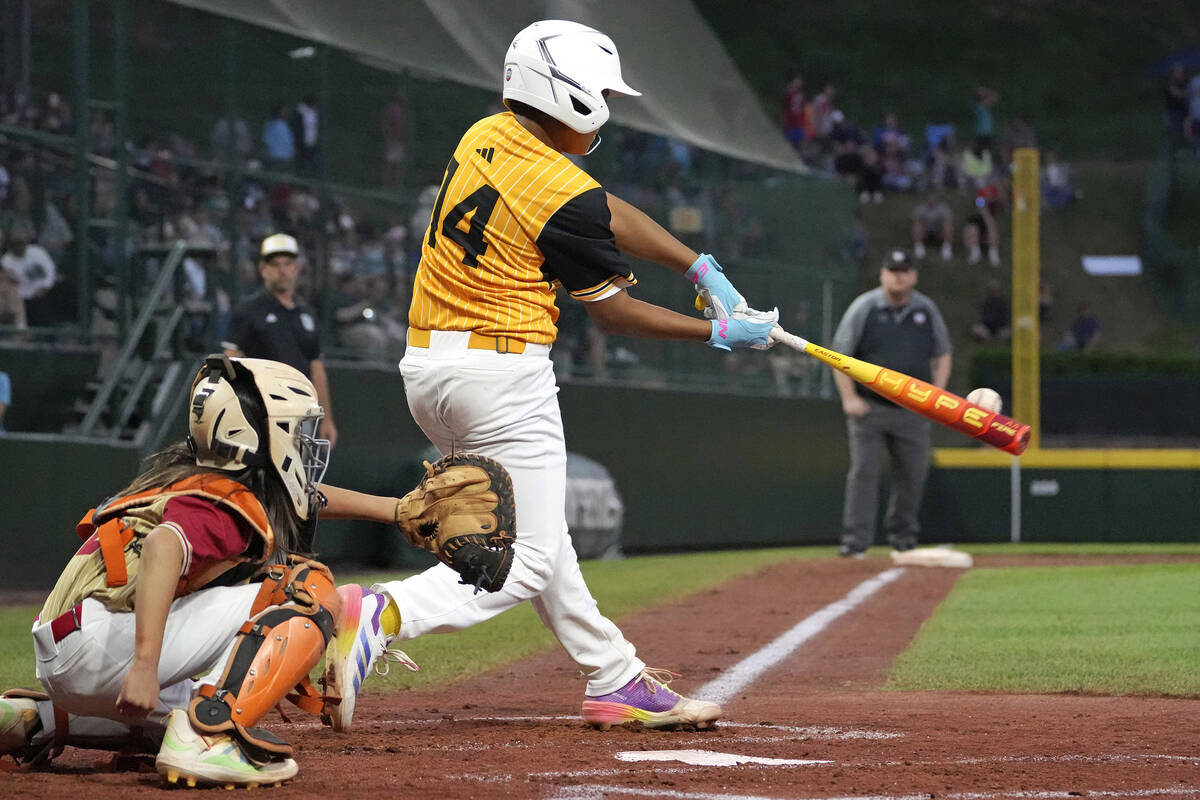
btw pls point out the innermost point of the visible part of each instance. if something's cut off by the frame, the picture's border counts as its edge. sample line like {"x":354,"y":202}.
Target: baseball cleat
{"x":18,"y":719}
{"x":648,"y":699}
{"x":193,"y":758}
{"x":359,"y":643}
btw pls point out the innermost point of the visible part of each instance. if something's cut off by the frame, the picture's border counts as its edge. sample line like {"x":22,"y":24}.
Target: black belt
{"x":66,"y":623}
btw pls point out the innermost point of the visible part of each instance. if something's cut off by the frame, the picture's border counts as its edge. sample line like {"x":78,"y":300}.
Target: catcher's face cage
{"x":225,"y":438}
{"x":314,"y":457}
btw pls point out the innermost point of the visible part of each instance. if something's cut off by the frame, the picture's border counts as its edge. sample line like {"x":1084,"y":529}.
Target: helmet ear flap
{"x":226,"y":431}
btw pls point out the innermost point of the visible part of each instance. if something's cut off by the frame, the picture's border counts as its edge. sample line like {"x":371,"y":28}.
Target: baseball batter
{"x":514,"y":219}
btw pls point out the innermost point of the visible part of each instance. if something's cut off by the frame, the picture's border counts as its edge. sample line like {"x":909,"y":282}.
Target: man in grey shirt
{"x":897,"y":327}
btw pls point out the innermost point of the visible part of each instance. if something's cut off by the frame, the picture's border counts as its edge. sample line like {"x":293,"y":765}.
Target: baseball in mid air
{"x":986,"y":398}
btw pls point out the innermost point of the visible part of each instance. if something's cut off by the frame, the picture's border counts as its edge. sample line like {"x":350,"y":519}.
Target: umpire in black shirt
{"x":273,"y":324}
{"x":897,"y":327}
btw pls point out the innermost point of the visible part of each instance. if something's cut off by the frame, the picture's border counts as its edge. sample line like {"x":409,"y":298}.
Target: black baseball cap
{"x":897,"y":260}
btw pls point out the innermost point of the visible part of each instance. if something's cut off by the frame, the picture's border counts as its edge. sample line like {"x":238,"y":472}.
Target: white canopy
{"x":691,"y":88}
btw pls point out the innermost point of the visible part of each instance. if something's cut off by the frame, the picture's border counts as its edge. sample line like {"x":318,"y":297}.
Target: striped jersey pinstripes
{"x":485,"y":275}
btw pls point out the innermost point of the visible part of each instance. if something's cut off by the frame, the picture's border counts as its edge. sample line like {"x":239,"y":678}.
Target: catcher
{"x":197,"y":567}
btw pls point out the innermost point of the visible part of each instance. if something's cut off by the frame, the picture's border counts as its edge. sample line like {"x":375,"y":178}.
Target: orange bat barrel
{"x":952,"y":411}
{"x":945,"y":408}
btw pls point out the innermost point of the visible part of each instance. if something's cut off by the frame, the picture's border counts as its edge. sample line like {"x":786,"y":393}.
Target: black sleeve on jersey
{"x":578,"y":243}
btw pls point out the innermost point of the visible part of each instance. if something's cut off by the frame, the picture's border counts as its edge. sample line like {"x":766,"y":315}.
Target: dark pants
{"x":905,"y":438}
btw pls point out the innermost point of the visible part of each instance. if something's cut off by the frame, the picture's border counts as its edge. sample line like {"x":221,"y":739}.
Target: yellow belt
{"x":477,"y":341}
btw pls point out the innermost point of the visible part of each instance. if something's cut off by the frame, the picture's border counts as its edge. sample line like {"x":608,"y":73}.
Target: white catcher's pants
{"x":505,"y":406}
{"x":84,"y":672}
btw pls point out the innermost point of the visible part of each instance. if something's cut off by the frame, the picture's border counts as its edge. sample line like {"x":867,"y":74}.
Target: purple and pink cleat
{"x":648,"y":699}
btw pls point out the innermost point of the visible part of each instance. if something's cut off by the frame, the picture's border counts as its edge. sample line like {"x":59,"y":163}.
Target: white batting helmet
{"x":563,"y":68}
{"x":228,"y":432}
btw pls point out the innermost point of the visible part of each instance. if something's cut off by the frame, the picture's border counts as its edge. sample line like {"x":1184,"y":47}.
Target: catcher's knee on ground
{"x":272,"y":655}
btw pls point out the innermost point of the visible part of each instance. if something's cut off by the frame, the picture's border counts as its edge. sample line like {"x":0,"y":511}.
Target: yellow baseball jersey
{"x":514,"y":219}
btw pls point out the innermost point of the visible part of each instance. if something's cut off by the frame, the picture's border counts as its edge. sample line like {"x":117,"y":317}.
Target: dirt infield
{"x":817,"y":722}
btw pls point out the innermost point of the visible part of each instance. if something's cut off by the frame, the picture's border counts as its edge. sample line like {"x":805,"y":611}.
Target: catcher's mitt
{"x":462,"y":511}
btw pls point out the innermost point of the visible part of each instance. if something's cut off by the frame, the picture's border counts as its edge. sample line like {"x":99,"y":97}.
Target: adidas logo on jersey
{"x":486,"y":152}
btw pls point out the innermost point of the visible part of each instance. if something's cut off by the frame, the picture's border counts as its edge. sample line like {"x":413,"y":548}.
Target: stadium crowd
{"x":254,"y":177}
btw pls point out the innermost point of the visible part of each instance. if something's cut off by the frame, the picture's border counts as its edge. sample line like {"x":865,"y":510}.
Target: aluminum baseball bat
{"x":939,"y":405}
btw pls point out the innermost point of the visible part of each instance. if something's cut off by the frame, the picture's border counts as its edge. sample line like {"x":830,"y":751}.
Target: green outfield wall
{"x":1064,"y":496}
{"x":695,"y":471}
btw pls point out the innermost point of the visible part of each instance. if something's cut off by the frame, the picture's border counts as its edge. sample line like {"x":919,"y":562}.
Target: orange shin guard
{"x":274,"y":652}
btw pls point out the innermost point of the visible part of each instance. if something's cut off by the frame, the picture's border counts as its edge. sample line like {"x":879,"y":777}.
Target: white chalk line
{"x":599,"y":792}
{"x":1105,"y":758}
{"x":712,"y":758}
{"x":746,"y":671}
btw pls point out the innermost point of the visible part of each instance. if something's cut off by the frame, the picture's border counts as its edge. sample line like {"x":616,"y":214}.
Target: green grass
{"x":16,"y":647}
{"x":1082,"y":549}
{"x":1126,"y":629}
{"x":620,"y":587}
{"x":1132,"y":629}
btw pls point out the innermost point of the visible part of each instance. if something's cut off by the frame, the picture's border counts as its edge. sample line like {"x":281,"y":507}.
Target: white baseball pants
{"x":83,"y":673}
{"x":505,"y":406}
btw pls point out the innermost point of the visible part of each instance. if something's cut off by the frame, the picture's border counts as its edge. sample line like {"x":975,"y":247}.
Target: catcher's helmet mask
{"x":227,"y":433}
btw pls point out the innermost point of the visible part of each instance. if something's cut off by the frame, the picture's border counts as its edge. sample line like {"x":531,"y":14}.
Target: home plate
{"x":708,"y":758}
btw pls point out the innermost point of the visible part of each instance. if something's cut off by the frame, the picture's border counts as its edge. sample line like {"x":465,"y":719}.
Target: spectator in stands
{"x":17,"y":211}
{"x":932,"y":225}
{"x":894,"y":161}
{"x":980,"y":230}
{"x":358,"y":322}
{"x":977,"y":163}
{"x":230,"y":140}
{"x":102,"y":132}
{"x":1018,"y":133}
{"x":278,"y":140}
{"x":34,"y":271}
{"x":821,"y":115}
{"x":57,"y":116}
{"x":5,"y":397}
{"x":1084,"y":333}
{"x":193,"y":297}
{"x":945,"y":163}
{"x":995,"y":316}
{"x":306,"y":128}
{"x":1175,"y":111}
{"x":12,"y":307}
{"x":1057,"y":189}
{"x":55,"y":233}
{"x":983,"y":100}
{"x":889,"y":132}
{"x":393,"y":124}
{"x":846,"y":140}
{"x":794,"y":101}
{"x":870,"y":176}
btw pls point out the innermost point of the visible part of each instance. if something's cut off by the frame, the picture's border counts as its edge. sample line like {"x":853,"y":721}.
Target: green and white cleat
{"x":193,"y":758}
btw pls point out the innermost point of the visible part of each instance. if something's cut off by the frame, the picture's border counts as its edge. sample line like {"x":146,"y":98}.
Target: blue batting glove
{"x":744,"y":331}
{"x":706,"y":273}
